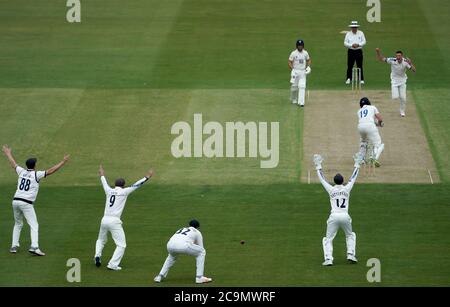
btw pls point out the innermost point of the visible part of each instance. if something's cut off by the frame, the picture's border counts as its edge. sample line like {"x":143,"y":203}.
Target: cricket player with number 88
{"x":339,"y":217}
{"x":300,"y":65}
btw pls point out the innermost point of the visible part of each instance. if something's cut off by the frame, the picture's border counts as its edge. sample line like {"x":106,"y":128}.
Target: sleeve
{"x":199,"y":239}
{"x":323,"y":181}
{"x":307,"y":55}
{"x":390,"y":61}
{"x":363,"y":39}
{"x":106,"y":187}
{"x":40,"y":175}
{"x":347,"y":41}
{"x":136,"y":185}
{"x":291,"y":57}
{"x":19,"y":170}
{"x":375,"y":110}
{"x":352,"y":180}
{"x":408,"y":66}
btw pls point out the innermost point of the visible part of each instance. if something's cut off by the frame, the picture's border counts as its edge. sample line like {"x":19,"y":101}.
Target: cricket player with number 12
{"x":339,"y":217}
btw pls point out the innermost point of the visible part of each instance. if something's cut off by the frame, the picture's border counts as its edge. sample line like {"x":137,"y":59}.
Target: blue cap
{"x":300,"y":42}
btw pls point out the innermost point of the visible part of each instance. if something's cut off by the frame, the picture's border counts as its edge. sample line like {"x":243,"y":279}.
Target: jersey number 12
{"x":341,"y":205}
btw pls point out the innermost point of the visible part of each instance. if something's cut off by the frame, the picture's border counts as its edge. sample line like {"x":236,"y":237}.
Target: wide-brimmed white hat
{"x":354,"y":24}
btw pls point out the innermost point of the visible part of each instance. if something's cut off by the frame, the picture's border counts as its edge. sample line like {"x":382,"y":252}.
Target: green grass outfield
{"x":108,"y":90}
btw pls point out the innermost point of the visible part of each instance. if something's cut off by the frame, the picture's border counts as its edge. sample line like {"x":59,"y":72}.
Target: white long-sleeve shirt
{"x":188,"y":235}
{"x":351,"y":38}
{"x":398,"y":71}
{"x":339,"y":194}
{"x":117,"y":197}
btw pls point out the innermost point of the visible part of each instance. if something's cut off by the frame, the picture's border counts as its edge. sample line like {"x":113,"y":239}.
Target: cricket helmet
{"x":364,"y":101}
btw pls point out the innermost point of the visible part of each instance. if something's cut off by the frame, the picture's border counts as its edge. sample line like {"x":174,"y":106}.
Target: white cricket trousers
{"x":369,"y":135}
{"x":399,"y":91}
{"x":114,"y":226}
{"x":298,"y":86}
{"x":22,"y":210}
{"x":334,"y":222}
{"x":179,"y":247}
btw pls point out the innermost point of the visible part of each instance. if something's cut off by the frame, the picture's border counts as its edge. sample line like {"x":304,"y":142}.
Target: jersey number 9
{"x":112,"y":200}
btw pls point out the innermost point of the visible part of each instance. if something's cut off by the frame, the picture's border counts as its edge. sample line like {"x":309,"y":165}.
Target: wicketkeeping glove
{"x":358,"y":160}
{"x":317,"y":159}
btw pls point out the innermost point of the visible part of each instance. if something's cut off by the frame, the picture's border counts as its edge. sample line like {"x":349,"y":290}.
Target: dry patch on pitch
{"x":330,"y":128}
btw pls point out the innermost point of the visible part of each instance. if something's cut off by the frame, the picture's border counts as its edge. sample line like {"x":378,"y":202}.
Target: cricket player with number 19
{"x":339,"y":217}
{"x":115,"y":203}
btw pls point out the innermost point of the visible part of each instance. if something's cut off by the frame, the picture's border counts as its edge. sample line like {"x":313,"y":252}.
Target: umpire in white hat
{"x":354,"y":41}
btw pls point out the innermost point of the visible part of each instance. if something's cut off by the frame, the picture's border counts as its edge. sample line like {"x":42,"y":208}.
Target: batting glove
{"x":358,"y":160}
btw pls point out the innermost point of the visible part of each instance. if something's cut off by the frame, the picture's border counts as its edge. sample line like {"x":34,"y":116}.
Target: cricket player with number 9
{"x":115,"y":203}
{"x":339,"y":217}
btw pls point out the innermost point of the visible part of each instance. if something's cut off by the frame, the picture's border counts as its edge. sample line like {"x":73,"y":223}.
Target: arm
{"x":413,"y":68}
{"x":291,"y":64}
{"x":380,"y":119}
{"x":347,"y":41}
{"x":380,"y":57}
{"x":323,"y":181}
{"x":363,"y":41}
{"x":308,"y":62}
{"x":9,"y":155}
{"x":56,"y":167}
{"x":352,"y":180}
{"x":199,"y":239}
{"x":140,"y":182}
{"x":105,"y":184}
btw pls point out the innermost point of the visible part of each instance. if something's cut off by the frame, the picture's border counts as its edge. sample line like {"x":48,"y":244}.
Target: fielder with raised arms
{"x":368,"y":120}
{"x":24,"y":198}
{"x":339,"y":217}
{"x":399,"y":65}
{"x":115,"y":203}
{"x":300,"y":64}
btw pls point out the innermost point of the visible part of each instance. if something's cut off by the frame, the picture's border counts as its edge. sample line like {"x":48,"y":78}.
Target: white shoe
{"x":202,"y":280}
{"x":13,"y":249}
{"x":328,"y":262}
{"x":362,"y":82}
{"x":294,"y":101}
{"x":36,"y":251}
{"x":351,"y":258}
{"x":402,"y":114}
{"x":348,"y":81}
{"x":114,"y":268}
{"x":157,"y":278}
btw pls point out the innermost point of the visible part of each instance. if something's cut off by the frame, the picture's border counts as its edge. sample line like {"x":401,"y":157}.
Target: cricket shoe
{"x":158,"y":278}
{"x":352,"y":259}
{"x":348,"y":81}
{"x":328,"y":262}
{"x":98,"y":261}
{"x":114,"y":268}
{"x":36,"y":251}
{"x":402,"y":114}
{"x":14,"y":249}
{"x":362,"y":82}
{"x":202,"y":280}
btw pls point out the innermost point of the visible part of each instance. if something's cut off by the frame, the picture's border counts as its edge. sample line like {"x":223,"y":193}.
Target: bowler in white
{"x":115,"y":203}
{"x":399,"y":66}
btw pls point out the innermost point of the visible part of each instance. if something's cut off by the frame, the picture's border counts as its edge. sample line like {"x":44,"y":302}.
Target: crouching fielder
{"x":188,"y":241}
{"x":299,"y":63}
{"x":115,"y":203}
{"x":339,"y":217}
{"x":368,"y":119}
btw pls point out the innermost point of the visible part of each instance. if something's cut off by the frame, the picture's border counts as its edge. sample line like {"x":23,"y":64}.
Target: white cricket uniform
{"x":24,"y":198}
{"x":398,"y":81}
{"x":111,"y":222}
{"x":188,"y":241}
{"x":354,"y":38}
{"x":368,"y":131}
{"x":339,"y":217}
{"x":298,"y":75}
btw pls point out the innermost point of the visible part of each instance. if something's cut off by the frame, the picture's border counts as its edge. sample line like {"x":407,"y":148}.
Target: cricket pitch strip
{"x":330,"y":129}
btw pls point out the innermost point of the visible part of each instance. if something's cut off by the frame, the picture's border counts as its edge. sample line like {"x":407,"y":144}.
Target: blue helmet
{"x":300,"y":42}
{"x":364,"y":101}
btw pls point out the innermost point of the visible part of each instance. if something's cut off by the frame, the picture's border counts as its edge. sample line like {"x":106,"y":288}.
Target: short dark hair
{"x":399,"y":51}
{"x":194,"y":223}
{"x":338,"y":179}
{"x":120,"y":182}
{"x":31,"y":163}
